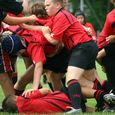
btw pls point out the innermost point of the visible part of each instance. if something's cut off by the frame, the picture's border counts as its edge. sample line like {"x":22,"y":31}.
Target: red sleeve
{"x":101,"y":41}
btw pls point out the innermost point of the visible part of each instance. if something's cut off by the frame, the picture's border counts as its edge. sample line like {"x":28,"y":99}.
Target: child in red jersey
{"x":5,"y":82}
{"x":87,"y":26}
{"x":68,"y":30}
{"x":42,"y":101}
{"x":106,"y":44}
{"x":37,"y":45}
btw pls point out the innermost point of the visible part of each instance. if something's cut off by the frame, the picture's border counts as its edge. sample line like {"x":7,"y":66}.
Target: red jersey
{"x":55,"y":102}
{"x":108,"y":29}
{"x":87,"y":24}
{"x":38,"y":46}
{"x":45,"y":21}
{"x":66,"y":28}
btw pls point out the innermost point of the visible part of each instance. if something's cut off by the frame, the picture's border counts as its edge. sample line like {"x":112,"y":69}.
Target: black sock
{"x":50,"y":85}
{"x":97,"y":85}
{"x":74,"y":90}
{"x":99,"y":98}
{"x":63,"y":80}
{"x":99,"y":95}
{"x":106,"y":86}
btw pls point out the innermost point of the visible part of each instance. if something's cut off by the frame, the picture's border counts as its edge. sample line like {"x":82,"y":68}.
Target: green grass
{"x":91,"y":102}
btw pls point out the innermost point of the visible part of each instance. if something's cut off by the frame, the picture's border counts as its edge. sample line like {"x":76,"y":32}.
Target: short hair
{"x":61,"y":1}
{"x":9,"y":105}
{"x":80,"y":13}
{"x":39,"y":10}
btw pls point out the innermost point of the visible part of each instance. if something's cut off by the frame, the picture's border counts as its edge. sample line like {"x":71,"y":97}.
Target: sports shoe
{"x":109,"y":109}
{"x":74,"y":111}
{"x":109,"y":98}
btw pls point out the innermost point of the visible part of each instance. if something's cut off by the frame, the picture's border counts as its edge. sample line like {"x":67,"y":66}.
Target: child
{"x":37,"y":45}
{"x":5,"y":82}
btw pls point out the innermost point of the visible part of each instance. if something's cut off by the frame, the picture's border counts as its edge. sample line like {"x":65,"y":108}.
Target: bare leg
{"x":54,"y":79}
{"x":25,"y":79}
{"x":27,"y":61}
{"x":6,"y":84}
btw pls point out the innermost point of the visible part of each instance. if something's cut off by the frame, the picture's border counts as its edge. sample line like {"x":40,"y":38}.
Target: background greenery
{"x":95,"y":11}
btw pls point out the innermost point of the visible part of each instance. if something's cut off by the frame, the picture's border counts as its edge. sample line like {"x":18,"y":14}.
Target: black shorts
{"x":84,"y":55}
{"x":59,"y":62}
{"x":110,"y":49}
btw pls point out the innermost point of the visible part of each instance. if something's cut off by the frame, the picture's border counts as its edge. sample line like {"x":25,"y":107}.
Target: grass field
{"x":91,"y":102}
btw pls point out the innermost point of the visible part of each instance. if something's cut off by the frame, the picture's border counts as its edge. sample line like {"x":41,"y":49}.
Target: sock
{"x":100,"y":101}
{"x":106,"y":86}
{"x":63,"y":80}
{"x":97,"y":85}
{"x":83,"y":101}
{"x":74,"y":90}
{"x":14,"y":77}
{"x":99,"y":95}
{"x":50,"y":85}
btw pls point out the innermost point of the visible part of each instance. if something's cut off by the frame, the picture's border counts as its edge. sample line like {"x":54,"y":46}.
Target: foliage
{"x":95,"y":11}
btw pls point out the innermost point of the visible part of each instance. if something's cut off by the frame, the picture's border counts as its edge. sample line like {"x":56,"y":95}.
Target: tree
{"x":95,"y":11}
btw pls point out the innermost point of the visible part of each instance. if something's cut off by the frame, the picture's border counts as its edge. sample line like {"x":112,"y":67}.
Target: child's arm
{"x":37,"y":74}
{"x":19,"y":20}
{"x":39,"y":93}
{"x":47,"y":34}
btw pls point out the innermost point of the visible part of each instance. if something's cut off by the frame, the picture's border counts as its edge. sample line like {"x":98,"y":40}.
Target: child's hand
{"x":88,"y":30}
{"x":32,"y":18}
{"x":46,"y":30}
{"x":110,"y":39}
{"x":28,"y":92}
